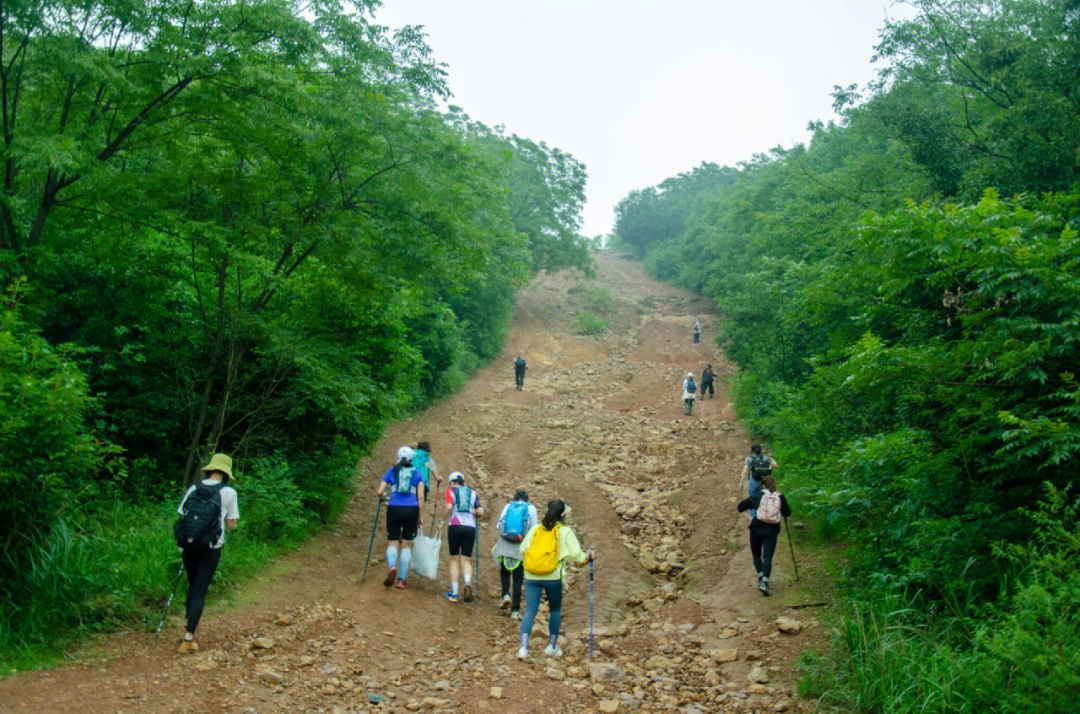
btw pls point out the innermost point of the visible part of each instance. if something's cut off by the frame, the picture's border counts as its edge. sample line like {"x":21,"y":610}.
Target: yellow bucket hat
{"x":219,"y":462}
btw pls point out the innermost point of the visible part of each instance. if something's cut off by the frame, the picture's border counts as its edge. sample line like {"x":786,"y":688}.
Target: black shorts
{"x":401,"y":522}
{"x":461,"y":539}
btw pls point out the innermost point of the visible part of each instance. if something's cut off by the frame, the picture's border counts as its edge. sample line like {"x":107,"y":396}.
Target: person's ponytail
{"x":553,"y":514}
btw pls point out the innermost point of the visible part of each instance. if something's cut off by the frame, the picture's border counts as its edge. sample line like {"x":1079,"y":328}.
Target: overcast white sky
{"x":640,"y":90}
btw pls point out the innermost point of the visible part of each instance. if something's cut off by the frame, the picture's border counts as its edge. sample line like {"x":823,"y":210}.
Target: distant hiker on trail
{"x":462,"y":509}
{"x":689,"y":388}
{"x":697,"y":331}
{"x":771,"y":507}
{"x":707,"y":377}
{"x":402,"y":515}
{"x":515,"y":520}
{"x":421,"y":461}
{"x":755,"y":468}
{"x":208,"y":509}
{"x":520,"y":365}
{"x":545,"y":551}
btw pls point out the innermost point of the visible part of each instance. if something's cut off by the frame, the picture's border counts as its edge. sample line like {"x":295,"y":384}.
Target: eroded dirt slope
{"x":680,"y":625}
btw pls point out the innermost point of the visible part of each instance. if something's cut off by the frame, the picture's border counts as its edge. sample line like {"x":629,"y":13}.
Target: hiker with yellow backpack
{"x":547,"y":548}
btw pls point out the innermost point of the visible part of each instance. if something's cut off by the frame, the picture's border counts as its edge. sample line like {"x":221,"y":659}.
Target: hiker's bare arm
{"x":381,"y":489}
{"x":745,"y":472}
{"x":230,"y":524}
{"x":446,"y":511}
{"x":433,"y":469}
{"x":773,"y":462}
{"x":479,"y":512}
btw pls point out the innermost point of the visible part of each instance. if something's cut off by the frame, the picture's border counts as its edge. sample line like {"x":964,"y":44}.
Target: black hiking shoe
{"x":763,"y":586}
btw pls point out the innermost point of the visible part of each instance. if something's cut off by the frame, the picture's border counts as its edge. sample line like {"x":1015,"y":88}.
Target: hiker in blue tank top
{"x":403,"y":515}
{"x":515,"y":520}
{"x":462,"y":509}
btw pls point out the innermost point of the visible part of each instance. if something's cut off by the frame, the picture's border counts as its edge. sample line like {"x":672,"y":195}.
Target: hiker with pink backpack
{"x":770,"y":507}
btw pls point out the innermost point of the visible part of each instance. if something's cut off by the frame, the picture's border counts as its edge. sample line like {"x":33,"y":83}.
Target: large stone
{"x":758,"y":675}
{"x":789,"y":625}
{"x":609,"y":706}
{"x":495,"y":692}
{"x":605,"y":672}
{"x":262,"y":643}
{"x":725,"y":655}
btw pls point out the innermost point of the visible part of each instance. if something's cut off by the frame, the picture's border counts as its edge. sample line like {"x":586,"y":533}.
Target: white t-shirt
{"x":229,"y":508}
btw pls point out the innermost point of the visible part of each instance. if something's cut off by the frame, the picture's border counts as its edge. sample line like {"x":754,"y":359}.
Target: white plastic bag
{"x":425,"y":556}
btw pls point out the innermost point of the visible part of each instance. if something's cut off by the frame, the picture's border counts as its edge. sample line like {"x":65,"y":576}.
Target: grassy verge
{"x":112,"y":568}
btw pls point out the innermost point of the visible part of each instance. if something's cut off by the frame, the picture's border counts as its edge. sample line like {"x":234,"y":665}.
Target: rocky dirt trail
{"x":680,"y":625}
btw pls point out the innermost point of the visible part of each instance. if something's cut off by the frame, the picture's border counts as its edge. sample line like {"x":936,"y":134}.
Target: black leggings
{"x":762,"y":547}
{"x":200,"y":567}
{"x":707,"y":387}
{"x":517,"y":575}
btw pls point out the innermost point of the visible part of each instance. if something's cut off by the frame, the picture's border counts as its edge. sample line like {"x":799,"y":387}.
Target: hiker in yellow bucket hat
{"x":207,"y":511}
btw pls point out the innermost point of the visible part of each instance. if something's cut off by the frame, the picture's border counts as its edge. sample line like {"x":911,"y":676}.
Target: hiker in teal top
{"x":422,"y":462}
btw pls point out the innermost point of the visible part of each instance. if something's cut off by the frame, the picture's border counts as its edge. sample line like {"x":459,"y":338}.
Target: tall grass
{"x":112,"y":568}
{"x":1017,"y":655}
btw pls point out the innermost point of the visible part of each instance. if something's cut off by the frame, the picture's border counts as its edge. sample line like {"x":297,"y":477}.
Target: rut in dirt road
{"x":599,"y":424}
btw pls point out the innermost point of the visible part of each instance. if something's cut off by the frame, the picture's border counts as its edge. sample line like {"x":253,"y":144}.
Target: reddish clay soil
{"x":599,"y":424}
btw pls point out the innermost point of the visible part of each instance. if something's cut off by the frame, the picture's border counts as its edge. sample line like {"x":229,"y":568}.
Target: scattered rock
{"x":609,"y":706}
{"x":605,"y":672}
{"x":758,"y":675}
{"x":284,"y":620}
{"x":495,"y":692}
{"x":262,"y":643}
{"x":271,"y":676}
{"x":781,"y":706}
{"x":443,"y":684}
{"x":555,"y":674}
{"x":754,"y":656}
{"x":789,"y":625}
{"x":375,"y":698}
{"x":725,"y":655}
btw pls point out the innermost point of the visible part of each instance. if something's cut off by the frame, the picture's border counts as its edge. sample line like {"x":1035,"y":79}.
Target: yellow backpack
{"x":542,"y":557}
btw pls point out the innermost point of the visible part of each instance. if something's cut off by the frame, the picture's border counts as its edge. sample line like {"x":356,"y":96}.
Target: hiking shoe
{"x":467,"y":593}
{"x":505,"y":604}
{"x":515,"y":615}
{"x":763,"y":586}
{"x":553,"y":651}
{"x":451,"y":596}
{"x":188,"y":646}
{"x":390,"y":575}
{"x":522,"y":653}
{"x":400,"y":585}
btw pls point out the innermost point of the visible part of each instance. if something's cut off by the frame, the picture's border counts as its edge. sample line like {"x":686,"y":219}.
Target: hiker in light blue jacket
{"x":515,"y":520}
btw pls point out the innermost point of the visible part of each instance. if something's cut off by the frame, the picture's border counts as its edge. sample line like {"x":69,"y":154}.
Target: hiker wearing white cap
{"x":402,"y":515}
{"x":462,"y":509}
{"x":689,"y":391}
{"x":208,"y":509}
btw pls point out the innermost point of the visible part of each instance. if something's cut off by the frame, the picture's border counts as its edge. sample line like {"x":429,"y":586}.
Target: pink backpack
{"x":768,"y":511}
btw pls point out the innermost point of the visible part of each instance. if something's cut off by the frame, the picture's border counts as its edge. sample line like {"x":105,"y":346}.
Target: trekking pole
{"x":168,"y":603}
{"x":476,"y":557}
{"x":591,"y":598}
{"x":374,"y":528}
{"x":787,"y":529}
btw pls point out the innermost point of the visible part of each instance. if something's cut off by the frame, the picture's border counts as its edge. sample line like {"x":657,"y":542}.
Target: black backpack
{"x":520,"y":363}
{"x":200,"y":525}
{"x":760,"y":466}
